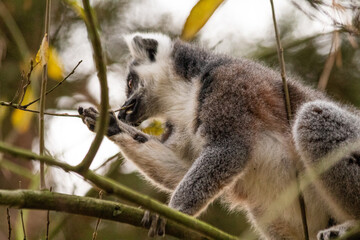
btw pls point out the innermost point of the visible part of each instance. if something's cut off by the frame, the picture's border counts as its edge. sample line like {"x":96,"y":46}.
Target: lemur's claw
{"x":155,"y":224}
{"x":81,"y":110}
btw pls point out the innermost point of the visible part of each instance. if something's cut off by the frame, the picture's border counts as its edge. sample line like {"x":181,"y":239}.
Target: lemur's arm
{"x":154,"y":159}
{"x":216,"y":167}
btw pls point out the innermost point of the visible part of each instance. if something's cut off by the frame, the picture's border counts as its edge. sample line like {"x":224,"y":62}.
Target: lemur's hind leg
{"x":323,"y":132}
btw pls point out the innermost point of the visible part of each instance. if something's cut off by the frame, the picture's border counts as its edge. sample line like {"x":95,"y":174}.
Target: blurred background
{"x":321,"y":42}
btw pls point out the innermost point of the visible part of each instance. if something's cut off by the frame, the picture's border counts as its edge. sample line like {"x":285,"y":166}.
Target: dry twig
{"x":99,"y":219}
{"x":53,"y":88}
{"x":13,"y":105}
{"x":48,"y":221}
{"x":9,"y":223}
{"x":22,"y":217}
{"x":330,"y":61}
{"x":116,"y":156}
{"x":26,"y":81}
{"x":289,"y":116}
{"x":42,"y":97}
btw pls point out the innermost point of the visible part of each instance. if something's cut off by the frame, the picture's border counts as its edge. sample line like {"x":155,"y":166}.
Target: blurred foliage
{"x":304,"y":57}
{"x":307,"y":59}
{"x":55,"y":68}
{"x":21,"y":120}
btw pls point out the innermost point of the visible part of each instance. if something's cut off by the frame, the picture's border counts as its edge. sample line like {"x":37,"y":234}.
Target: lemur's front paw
{"x":335,"y":231}
{"x":90,"y":116}
{"x":155,"y":224}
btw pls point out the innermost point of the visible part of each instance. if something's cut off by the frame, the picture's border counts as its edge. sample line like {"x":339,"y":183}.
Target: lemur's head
{"x":148,"y":69}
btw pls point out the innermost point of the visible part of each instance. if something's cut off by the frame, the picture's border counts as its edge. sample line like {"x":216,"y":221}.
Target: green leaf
{"x":198,"y":16}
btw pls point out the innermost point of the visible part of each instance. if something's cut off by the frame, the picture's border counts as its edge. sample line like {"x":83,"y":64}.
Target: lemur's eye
{"x":130,"y":82}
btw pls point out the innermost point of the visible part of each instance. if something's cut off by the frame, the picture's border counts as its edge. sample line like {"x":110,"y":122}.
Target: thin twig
{"x":289,"y":116}
{"x":117,"y":155}
{"x":99,"y":219}
{"x":124,"y":108}
{"x":48,"y":221}
{"x":53,"y":88}
{"x":13,"y":105}
{"x":280,"y":51}
{"x":42,"y":95}
{"x":330,"y":61}
{"x":22,"y":217}
{"x":9,"y":223}
{"x":27,"y":81}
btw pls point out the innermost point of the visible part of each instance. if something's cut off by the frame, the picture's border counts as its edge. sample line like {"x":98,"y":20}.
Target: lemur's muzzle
{"x":128,"y":111}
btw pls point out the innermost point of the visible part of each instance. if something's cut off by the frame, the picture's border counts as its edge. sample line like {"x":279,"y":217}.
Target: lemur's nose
{"x":127,"y":109}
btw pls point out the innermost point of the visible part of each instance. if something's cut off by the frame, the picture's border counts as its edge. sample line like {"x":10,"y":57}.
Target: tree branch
{"x":42,"y":92}
{"x":104,"y":103}
{"x":110,"y":186}
{"x":114,"y":211}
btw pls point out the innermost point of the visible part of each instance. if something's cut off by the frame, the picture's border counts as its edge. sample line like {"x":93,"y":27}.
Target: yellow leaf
{"x":20,"y":119}
{"x":154,"y":128}
{"x":55,"y":67}
{"x":198,"y":16}
{"x":42,"y":55}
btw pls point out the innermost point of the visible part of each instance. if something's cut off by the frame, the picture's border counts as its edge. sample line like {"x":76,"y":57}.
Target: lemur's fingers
{"x":155,"y":223}
{"x":161,"y":227}
{"x":90,"y":122}
{"x":89,"y":116}
{"x":91,"y":112}
{"x":113,"y":125}
{"x":112,"y":118}
{"x":145,"y":221}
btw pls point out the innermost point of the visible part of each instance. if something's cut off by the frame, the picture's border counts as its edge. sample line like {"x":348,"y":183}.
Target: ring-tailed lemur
{"x":228,"y":134}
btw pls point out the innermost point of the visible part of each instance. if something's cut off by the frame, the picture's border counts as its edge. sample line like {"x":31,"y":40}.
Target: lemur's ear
{"x":142,"y":48}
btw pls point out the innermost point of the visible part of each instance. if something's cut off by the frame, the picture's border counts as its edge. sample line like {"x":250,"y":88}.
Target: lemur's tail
{"x":328,"y":140}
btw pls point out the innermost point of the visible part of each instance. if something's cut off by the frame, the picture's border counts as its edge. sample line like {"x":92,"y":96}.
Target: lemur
{"x":228,"y":137}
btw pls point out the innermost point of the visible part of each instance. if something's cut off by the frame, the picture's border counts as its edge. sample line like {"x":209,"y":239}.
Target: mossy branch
{"x":86,"y":206}
{"x":110,"y":186}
